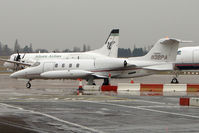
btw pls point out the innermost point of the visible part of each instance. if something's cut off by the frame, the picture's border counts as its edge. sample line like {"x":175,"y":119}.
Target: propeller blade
{"x":18,"y":58}
{"x":23,"y":55}
{"x":17,"y":51}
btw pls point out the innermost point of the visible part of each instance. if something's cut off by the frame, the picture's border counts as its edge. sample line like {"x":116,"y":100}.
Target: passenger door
{"x":48,"y":66}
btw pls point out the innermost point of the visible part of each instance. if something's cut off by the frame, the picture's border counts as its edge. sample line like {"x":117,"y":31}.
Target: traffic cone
{"x":109,"y":77}
{"x":80,"y":88}
{"x":132,"y":81}
{"x":77,"y":92}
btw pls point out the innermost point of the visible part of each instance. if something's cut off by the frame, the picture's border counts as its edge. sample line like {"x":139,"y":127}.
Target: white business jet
{"x":20,"y":60}
{"x":160,"y":58}
{"x":187,"y":60}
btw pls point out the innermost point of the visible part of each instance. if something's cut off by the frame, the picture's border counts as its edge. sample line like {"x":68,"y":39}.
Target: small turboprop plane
{"x":160,"y":58}
{"x":21,"y":60}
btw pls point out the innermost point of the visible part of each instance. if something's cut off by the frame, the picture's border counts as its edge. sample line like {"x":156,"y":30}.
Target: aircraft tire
{"x":174,"y":81}
{"x":28,"y":85}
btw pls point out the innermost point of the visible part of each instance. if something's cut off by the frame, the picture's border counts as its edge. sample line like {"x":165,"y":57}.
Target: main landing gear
{"x":106,"y":81}
{"x":174,"y":81}
{"x":28,"y":84}
{"x":90,"y":81}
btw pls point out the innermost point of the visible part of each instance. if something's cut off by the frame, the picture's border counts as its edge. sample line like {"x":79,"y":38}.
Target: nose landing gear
{"x":28,"y":84}
{"x":106,"y":81}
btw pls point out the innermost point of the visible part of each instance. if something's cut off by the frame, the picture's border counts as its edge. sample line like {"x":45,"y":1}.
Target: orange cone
{"x":109,"y":77}
{"x":80,"y":88}
{"x":132,"y":81}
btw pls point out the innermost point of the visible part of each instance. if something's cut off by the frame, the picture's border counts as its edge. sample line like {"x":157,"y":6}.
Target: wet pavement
{"x":51,"y":106}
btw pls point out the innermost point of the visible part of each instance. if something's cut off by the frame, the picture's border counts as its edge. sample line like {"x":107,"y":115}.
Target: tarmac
{"x":51,"y":106}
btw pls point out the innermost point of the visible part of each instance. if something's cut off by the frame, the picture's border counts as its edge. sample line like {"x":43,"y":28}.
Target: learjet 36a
{"x":160,"y":58}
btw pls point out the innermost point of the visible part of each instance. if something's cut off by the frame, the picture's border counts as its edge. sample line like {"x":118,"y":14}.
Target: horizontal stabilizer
{"x":173,"y":40}
{"x":161,"y":67}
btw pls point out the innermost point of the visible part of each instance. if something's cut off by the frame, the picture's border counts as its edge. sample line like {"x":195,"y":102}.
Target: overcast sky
{"x":61,"y":24}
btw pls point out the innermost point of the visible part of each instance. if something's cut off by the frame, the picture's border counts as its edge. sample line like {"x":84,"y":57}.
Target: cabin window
{"x":56,"y":65}
{"x":63,"y":65}
{"x":70,"y":65}
{"x":77,"y":65}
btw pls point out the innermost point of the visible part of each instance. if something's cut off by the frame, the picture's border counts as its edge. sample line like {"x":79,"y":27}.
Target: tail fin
{"x":164,"y":50}
{"x":111,"y":45}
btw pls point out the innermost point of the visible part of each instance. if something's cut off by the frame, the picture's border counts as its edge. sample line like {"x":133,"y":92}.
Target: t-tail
{"x":165,"y":50}
{"x":111,"y":45}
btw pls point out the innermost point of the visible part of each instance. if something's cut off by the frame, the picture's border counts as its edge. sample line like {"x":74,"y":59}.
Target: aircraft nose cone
{"x":13,"y":75}
{"x":18,"y":74}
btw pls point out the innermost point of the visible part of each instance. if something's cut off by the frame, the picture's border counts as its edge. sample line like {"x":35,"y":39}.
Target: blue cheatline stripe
{"x":188,"y":66}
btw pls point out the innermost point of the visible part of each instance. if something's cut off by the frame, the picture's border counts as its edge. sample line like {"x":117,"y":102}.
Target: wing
{"x":99,"y":76}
